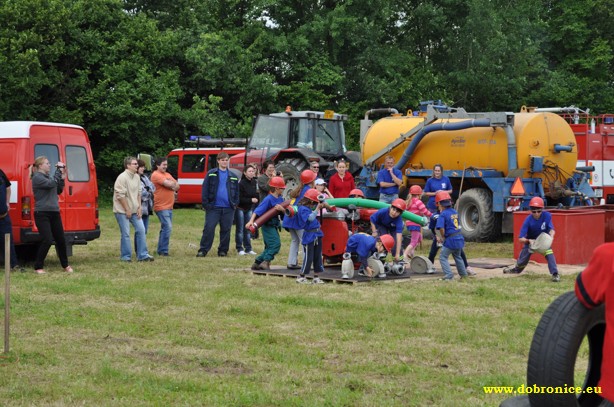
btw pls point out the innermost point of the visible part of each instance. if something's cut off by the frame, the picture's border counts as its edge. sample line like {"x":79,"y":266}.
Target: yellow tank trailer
{"x":484,"y":154}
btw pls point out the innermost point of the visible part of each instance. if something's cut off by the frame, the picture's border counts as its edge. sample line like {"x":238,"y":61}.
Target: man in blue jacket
{"x":220,"y":197}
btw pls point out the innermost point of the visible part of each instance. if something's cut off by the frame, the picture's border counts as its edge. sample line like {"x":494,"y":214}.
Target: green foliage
{"x":142,"y":74}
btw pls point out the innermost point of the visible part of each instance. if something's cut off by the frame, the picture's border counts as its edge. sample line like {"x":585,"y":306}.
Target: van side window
{"x":50,"y":151}
{"x":173,"y":165}
{"x":193,"y":163}
{"x":76,"y":163}
{"x":212,"y":162}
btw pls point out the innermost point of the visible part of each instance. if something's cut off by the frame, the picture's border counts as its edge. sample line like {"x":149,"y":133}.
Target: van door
{"x":81,"y":189}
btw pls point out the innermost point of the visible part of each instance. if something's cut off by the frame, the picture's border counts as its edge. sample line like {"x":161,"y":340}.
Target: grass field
{"x":190,"y":331}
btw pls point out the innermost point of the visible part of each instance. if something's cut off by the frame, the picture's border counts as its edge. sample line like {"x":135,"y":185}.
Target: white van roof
{"x":21,"y":129}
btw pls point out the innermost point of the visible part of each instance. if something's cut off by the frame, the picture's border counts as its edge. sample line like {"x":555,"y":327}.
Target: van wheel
{"x":554,"y":349}
{"x":291,"y":168}
{"x":476,"y":216}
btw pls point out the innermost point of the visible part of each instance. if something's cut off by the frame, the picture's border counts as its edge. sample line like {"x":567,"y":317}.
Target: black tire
{"x":291,"y":169}
{"x":554,"y":349}
{"x":477,"y":219}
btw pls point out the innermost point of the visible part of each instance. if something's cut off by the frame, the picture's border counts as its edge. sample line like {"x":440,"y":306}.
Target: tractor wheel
{"x":477,"y":219}
{"x":554,"y":349}
{"x":291,"y":168}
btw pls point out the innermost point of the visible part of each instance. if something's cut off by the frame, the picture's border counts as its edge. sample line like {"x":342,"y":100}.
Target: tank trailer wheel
{"x":477,"y":219}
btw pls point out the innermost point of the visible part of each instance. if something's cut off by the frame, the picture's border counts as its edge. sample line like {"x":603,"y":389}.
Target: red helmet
{"x":312,"y":195}
{"x":308,"y":176}
{"x":415,"y":190}
{"x":357,"y":192}
{"x":442,"y":196}
{"x":536,"y":202}
{"x":277,"y":182}
{"x":399,"y":204}
{"x":387,"y":241}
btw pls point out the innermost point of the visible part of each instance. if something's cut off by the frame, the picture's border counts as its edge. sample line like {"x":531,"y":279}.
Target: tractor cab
{"x":292,"y":140}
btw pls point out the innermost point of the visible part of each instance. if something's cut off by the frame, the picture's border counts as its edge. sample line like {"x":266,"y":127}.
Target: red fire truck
{"x":595,"y":138}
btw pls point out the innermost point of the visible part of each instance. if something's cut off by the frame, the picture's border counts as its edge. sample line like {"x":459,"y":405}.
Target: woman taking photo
{"x":47,"y":211}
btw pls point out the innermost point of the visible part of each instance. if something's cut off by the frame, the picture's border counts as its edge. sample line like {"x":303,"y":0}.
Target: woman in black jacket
{"x":248,"y":199}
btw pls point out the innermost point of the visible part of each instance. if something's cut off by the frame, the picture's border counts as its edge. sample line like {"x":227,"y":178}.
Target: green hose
{"x":369,"y":203}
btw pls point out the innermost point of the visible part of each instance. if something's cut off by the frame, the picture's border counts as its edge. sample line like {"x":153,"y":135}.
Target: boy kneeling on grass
{"x":270,"y":230}
{"x":449,"y":234}
{"x":365,"y":246}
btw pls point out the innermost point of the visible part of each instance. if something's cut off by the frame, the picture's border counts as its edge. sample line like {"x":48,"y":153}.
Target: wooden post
{"x":7,"y":285}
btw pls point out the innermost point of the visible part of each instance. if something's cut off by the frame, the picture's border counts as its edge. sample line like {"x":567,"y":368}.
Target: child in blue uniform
{"x":449,"y":234}
{"x":365,"y":246}
{"x":307,"y":219}
{"x":539,"y":221}
{"x":270,"y":230}
{"x":388,"y":221}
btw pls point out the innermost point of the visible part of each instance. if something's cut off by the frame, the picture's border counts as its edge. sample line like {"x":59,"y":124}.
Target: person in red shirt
{"x":341,"y":183}
{"x":594,"y":286}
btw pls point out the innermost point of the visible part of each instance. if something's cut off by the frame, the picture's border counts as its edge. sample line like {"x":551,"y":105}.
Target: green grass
{"x":190,"y":331}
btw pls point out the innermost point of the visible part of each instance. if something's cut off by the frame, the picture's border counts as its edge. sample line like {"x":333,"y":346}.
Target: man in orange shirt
{"x":164,"y":199}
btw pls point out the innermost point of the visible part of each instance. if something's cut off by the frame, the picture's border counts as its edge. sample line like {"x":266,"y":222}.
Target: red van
{"x":189,"y":166}
{"x":20,"y":143}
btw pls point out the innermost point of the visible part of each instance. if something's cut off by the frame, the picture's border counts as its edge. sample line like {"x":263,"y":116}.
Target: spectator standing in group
{"x":147,"y":197}
{"x":342,"y":182}
{"x":290,"y":223}
{"x":220,"y":196}
{"x":315,"y":167}
{"x":264,"y":179}
{"x":127,"y":210}
{"x":539,"y":221}
{"x":389,"y":180}
{"x":417,"y":207}
{"x":307,"y":219}
{"x":47,"y":211}
{"x":270,"y":230}
{"x":6,"y":227}
{"x":248,"y":199}
{"x":322,"y":188}
{"x":388,"y":221}
{"x":164,"y":200}
{"x":449,"y":236}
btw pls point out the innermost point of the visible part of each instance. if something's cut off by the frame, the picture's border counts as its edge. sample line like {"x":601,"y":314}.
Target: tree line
{"x":140,"y":75}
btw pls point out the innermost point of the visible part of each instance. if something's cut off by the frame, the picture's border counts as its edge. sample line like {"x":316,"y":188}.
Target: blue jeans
{"x":139,"y":230}
{"x":166,"y":227}
{"x":243,"y":237}
{"x":525,"y":256}
{"x":445,"y":264}
{"x":388,"y":198}
{"x":213,"y":217}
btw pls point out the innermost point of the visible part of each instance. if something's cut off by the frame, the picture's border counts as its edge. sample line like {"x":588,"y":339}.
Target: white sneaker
{"x":253,"y":253}
{"x":345,"y":276}
{"x":302,"y":280}
{"x":430,"y":271}
{"x":242,"y":253}
{"x":317,"y":281}
{"x":470,"y":272}
{"x":381,"y":275}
